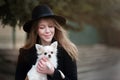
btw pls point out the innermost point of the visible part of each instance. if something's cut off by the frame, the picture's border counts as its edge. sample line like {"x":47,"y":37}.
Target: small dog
{"x":43,"y":51}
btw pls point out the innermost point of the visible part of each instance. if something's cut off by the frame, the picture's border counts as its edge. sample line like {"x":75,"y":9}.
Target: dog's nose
{"x":49,"y":56}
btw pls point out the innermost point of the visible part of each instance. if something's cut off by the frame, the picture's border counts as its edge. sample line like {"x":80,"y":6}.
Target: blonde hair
{"x":60,"y":35}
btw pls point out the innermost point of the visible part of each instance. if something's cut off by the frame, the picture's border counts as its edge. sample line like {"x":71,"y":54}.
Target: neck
{"x":45,"y":43}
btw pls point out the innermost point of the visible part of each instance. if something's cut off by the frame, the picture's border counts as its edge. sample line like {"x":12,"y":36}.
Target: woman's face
{"x":46,"y":31}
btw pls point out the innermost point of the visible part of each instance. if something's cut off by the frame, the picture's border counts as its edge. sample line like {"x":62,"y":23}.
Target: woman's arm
{"x":68,"y":68}
{"x":23,"y":64}
{"x":22,"y":67}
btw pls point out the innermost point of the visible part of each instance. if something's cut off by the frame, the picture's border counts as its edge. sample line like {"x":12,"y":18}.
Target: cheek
{"x":40,"y":32}
{"x":53,"y":30}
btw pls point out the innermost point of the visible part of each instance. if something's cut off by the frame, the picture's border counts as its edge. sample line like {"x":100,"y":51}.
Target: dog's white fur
{"x":42,"y":51}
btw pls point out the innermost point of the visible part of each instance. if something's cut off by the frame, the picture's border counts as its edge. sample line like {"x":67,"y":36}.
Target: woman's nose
{"x":47,"y":29}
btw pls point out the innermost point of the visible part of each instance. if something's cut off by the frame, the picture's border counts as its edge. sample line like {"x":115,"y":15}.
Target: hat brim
{"x":27,"y":26}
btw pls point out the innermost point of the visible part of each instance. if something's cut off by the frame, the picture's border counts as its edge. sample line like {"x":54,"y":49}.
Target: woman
{"x":45,"y":28}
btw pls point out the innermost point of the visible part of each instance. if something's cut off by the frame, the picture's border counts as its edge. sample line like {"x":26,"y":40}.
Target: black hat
{"x":42,"y":11}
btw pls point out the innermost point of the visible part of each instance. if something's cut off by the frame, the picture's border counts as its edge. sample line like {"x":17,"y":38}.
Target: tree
{"x":103,"y":14}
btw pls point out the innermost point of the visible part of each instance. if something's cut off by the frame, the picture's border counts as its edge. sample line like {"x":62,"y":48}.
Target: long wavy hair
{"x":60,"y":35}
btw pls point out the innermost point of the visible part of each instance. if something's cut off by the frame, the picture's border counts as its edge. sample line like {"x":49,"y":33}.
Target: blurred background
{"x":93,"y":25}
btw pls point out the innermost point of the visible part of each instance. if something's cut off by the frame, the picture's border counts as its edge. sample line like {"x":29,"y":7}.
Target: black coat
{"x":28,"y":57}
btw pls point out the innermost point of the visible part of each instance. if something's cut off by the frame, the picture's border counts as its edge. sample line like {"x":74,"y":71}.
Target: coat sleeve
{"x":22,"y":66}
{"x":69,"y":68}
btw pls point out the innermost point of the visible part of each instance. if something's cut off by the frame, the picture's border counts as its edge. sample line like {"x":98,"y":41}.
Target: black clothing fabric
{"x":28,"y":57}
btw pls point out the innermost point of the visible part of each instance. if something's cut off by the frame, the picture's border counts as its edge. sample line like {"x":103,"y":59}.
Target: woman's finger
{"x":45,"y":59}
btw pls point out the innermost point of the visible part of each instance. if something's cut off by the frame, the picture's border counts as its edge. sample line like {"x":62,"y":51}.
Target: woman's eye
{"x":51,"y":26}
{"x":41,"y":27}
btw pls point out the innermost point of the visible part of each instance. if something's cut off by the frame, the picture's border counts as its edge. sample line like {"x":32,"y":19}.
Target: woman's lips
{"x":48,"y":36}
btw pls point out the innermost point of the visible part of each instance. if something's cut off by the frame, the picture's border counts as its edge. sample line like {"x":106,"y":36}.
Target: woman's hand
{"x":45,"y":66}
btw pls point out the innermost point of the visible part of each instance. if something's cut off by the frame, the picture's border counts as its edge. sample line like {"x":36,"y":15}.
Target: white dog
{"x":48,"y":51}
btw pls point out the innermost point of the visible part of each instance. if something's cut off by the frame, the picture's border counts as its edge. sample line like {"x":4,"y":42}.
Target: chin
{"x":48,"y":40}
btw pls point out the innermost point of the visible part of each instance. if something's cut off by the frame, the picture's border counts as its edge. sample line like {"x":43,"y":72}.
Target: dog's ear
{"x":54,"y":44}
{"x":39,"y":48}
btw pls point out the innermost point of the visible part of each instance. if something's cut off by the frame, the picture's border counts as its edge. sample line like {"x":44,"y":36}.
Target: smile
{"x":48,"y":36}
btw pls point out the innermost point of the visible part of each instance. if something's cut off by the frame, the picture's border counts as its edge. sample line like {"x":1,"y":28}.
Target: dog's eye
{"x":51,"y":52}
{"x":45,"y":53}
